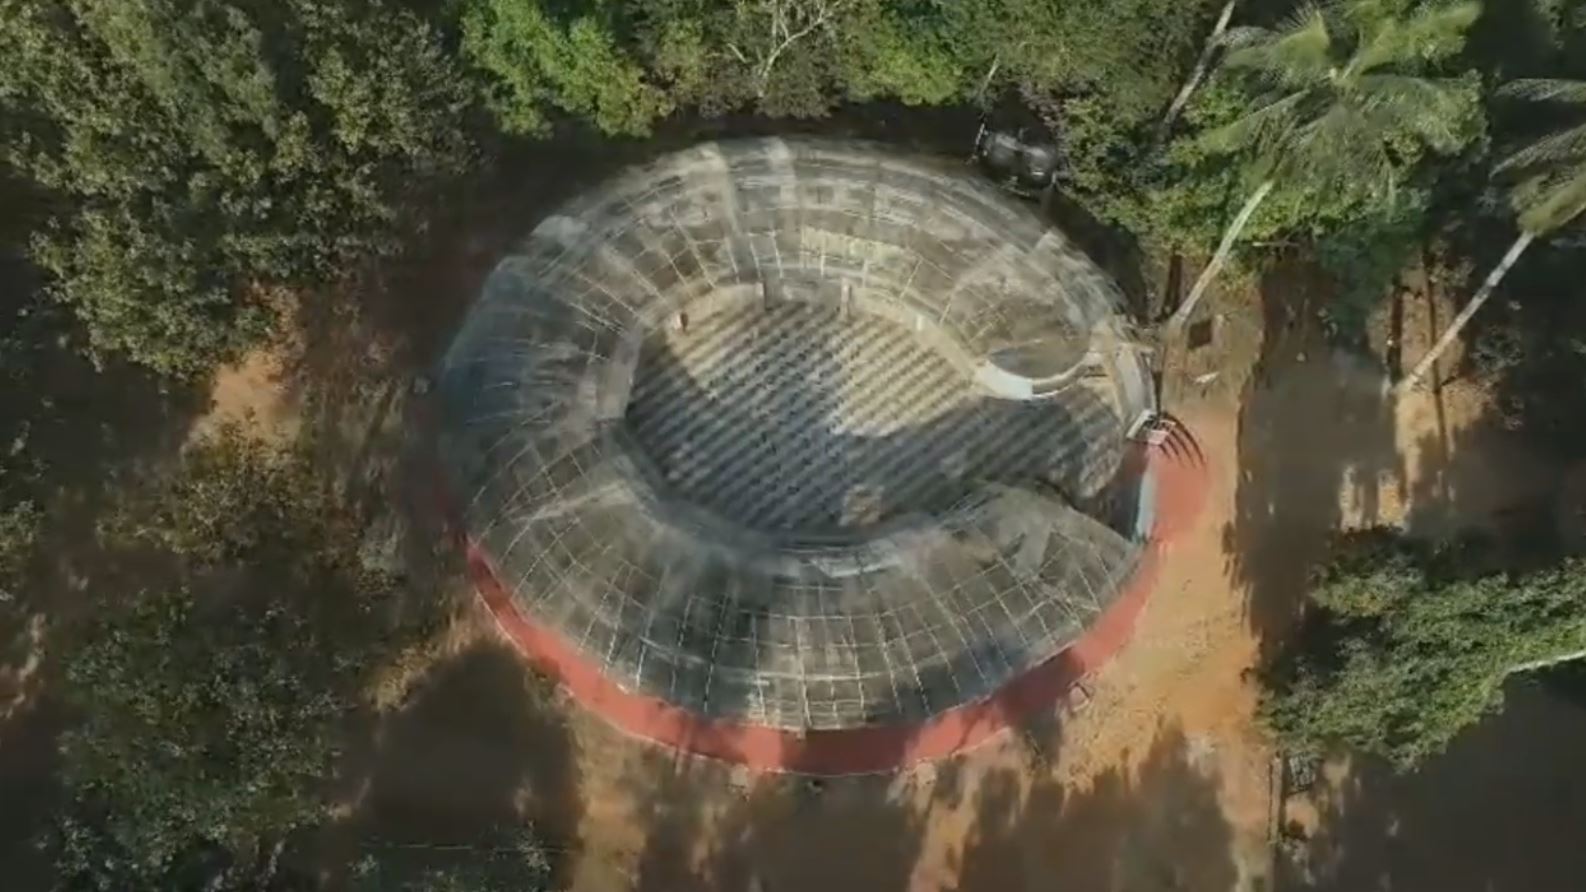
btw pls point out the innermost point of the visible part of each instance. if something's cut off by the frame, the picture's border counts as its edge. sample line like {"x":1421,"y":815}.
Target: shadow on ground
{"x":476,"y":748}
{"x":1503,"y":809}
{"x":79,"y":435}
{"x":361,"y":345}
{"x":963,"y":824}
{"x":1324,"y":448}
{"x":1314,"y":424}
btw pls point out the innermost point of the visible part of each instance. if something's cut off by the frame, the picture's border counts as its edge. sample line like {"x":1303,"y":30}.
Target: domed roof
{"x":741,"y":427}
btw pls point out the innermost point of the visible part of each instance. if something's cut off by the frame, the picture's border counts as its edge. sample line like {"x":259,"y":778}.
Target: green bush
{"x":1407,"y":645}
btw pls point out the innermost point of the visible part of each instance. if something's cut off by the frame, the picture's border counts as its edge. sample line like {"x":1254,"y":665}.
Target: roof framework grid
{"x":737,"y":428}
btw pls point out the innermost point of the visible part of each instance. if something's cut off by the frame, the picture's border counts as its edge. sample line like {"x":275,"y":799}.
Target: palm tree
{"x":1197,"y":74}
{"x":1337,"y":83}
{"x":1549,"y":193}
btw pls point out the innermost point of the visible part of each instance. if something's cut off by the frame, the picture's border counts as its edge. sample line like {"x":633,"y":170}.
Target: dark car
{"x":1023,"y":164}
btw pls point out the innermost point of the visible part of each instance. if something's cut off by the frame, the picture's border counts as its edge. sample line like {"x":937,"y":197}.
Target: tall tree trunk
{"x":1182,"y":314}
{"x":1454,"y":328}
{"x":1197,"y":74}
{"x":1534,"y":665}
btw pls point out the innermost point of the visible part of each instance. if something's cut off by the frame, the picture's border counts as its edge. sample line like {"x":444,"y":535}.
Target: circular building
{"x":801,"y":453}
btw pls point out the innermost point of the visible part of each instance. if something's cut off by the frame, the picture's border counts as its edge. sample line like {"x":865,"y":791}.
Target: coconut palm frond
{"x":1257,"y":129}
{"x":1341,"y":150}
{"x":1335,"y":122}
{"x":1566,"y":147}
{"x":1439,"y":33}
{"x":1240,"y":37}
{"x":1551,"y":172}
{"x":1427,"y":35}
{"x":1431,"y":108}
{"x":1297,"y":55}
{"x":1546,"y":203}
{"x":1536,"y":89}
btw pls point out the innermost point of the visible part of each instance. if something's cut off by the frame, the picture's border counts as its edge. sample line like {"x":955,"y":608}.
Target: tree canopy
{"x":197,"y":150}
{"x":1549,"y":174}
{"x":1408,"y":644}
{"x":624,"y":63}
{"x":1332,"y":111}
{"x":1548,"y":191}
{"x":213,"y":706}
{"x":1343,"y":98}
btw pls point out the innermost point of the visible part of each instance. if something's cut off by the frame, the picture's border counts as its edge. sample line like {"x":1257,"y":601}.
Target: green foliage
{"x":642,"y":58}
{"x":1342,"y":106}
{"x":1128,"y":54}
{"x":1365,"y":257}
{"x":576,"y":65}
{"x":201,"y":148}
{"x":211,"y":706}
{"x":1408,"y":645}
{"x":887,"y":54}
{"x":19,"y":525}
{"x":1549,"y":174}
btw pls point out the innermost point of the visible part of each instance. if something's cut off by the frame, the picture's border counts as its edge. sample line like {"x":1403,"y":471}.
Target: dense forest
{"x":180,"y":176}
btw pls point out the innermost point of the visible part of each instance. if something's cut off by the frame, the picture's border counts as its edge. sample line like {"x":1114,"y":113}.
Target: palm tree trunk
{"x":1182,"y":314}
{"x":1197,"y":74}
{"x":1534,"y":665}
{"x":1454,"y":328}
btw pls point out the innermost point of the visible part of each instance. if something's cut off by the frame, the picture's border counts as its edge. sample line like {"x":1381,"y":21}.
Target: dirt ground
{"x":1155,"y":776}
{"x":1161,"y":779}
{"x":251,"y":394}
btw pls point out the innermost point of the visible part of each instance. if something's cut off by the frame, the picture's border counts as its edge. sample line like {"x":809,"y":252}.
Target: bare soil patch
{"x":252,"y":394}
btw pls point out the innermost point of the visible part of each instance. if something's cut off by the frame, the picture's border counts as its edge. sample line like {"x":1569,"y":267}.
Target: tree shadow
{"x":1518,"y":38}
{"x":1116,"y":251}
{"x":1486,"y":479}
{"x":476,"y":746}
{"x":30,"y":789}
{"x":1503,"y":808}
{"x":1159,"y":826}
{"x":1316,"y":430}
{"x":968,"y":823}
{"x":72,"y":435}
{"x":1527,"y":347}
{"x":99,"y":431}
{"x":774,"y":833}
